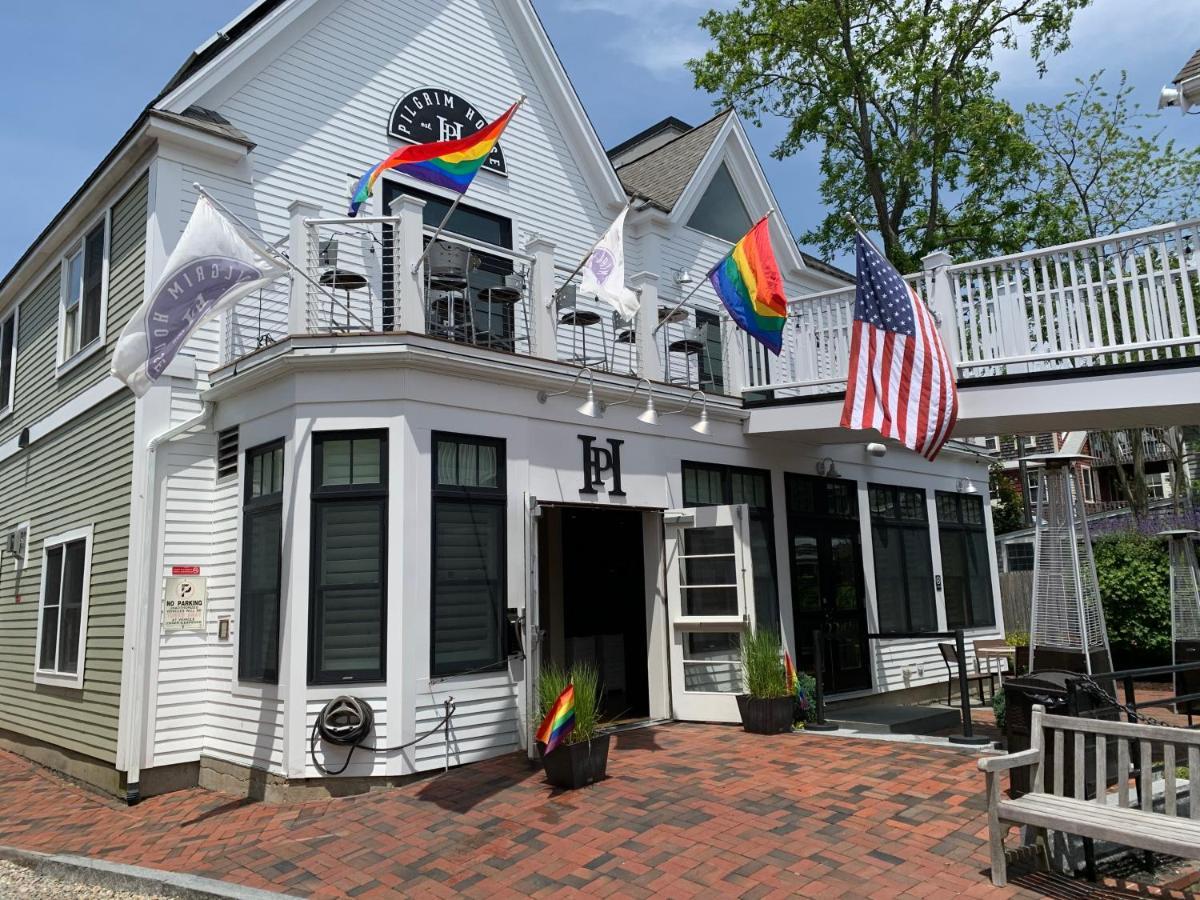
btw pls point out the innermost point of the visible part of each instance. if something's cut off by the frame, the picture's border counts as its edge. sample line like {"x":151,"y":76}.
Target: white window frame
{"x":66,"y":358}
{"x":1030,"y":441}
{"x":52,"y":676}
{"x":7,"y":403}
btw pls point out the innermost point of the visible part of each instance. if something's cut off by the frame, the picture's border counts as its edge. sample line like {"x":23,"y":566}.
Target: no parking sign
{"x":183,"y":603}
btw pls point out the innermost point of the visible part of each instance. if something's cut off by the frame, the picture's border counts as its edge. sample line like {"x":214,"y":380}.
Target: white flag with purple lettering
{"x":211,"y":268}
{"x":604,"y":271}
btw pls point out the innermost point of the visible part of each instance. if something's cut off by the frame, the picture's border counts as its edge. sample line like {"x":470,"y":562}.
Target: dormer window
{"x":721,"y":211}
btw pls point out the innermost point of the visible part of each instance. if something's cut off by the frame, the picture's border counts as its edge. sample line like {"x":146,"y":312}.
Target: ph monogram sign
{"x":600,"y":464}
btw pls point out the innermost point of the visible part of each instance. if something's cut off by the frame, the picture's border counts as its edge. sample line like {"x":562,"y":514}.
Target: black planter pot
{"x":575,"y":765}
{"x":773,"y":716}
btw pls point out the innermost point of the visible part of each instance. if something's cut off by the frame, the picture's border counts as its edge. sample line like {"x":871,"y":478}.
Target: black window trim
{"x":912,"y":525}
{"x":497,"y":496}
{"x":253,"y":507}
{"x":963,"y":527}
{"x":322,"y":494}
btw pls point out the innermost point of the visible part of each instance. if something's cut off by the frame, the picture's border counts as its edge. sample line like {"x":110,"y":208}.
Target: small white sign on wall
{"x":183,"y":603}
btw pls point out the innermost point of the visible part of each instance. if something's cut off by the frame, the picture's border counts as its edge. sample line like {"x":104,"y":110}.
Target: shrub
{"x":1017,"y":638}
{"x":1135,"y":588}
{"x":999,"y":707}
{"x":587,"y":697}
{"x":806,"y":697}
{"x":762,"y":665}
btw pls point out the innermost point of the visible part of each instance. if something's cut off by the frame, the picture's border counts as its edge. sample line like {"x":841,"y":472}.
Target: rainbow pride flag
{"x":749,"y":284}
{"x":449,"y":164}
{"x":790,"y":672}
{"x":559,"y":721}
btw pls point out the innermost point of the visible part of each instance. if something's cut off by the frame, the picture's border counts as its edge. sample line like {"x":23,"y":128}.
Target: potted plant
{"x":582,"y":757}
{"x":805,"y":706}
{"x":1019,"y":640}
{"x":767,"y":707}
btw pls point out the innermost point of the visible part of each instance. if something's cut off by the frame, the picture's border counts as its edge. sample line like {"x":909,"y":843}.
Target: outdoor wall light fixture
{"x":591,"y":407}
{"x":683,"y":276}
{"x":877,"y":450}
{"x":702,"y":426}
{"x":826,"y":469}
{"x":649,"y":415}
{"x":966,"y":486}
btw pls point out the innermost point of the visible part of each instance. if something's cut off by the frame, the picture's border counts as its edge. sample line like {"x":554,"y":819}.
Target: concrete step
{"x":882,"y":718}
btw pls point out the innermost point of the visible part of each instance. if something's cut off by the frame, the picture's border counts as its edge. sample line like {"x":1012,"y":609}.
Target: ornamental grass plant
{"x":762,"y":665}
{"x":586,"y":679}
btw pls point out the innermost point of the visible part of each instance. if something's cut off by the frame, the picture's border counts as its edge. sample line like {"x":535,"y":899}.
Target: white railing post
{"x":733,"y":339}
{"x":649,"y":364}
{"x":407,"y":243}
{"x":941,"y":299}
{"x":542,"y":319}
{"x":302,"y":253}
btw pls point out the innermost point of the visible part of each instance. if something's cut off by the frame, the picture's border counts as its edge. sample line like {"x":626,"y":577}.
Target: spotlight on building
{"x":649,"y":415}
{"x":591,"y":407}
{"x":966,"y":486}
{"x":877,"y":450}
{"x":702,"y":425}
{"x":1168,"y":96}
{"x":683,"y":276}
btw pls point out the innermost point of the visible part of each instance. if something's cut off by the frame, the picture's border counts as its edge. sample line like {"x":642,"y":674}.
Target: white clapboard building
{"x":407,"y":485}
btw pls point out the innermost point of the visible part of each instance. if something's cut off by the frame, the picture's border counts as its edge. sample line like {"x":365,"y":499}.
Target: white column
{"x":733,"y":339}
{"x":649,"y":364}
{"x":543,"y":320}
{"x":301,"y":252}
{"x":941,"y":298}
{"x":407,"y":243}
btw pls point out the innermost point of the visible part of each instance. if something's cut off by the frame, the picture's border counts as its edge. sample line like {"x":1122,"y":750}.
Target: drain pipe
{"x":144,"y":598}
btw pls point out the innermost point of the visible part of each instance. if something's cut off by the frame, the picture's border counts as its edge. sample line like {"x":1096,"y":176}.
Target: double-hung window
{"x":84,"y":292}
{"x":66,"y":570}
{"x":469,"y":537}
{"x":348,"y":611}
{"x":262,"y":551}
{"x":966,"y":566}
{"x":903,"y":559}
{"x":8,"y":360}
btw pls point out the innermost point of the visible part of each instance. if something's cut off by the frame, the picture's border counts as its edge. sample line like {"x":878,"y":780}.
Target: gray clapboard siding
{"x":79,"y":475}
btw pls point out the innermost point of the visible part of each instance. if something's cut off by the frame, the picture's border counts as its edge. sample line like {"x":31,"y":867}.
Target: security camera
{"x":877,"y":450}
{"x":1168,"y":96}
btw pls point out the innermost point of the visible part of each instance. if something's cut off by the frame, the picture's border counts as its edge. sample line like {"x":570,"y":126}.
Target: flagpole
{"x":666,"y":316}
{"x":269,"y":251}
{"x":453,"y":206}
{"x":586,"y":257}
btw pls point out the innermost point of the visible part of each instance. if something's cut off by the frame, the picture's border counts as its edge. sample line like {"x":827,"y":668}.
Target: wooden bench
{"x":1137,"y":748}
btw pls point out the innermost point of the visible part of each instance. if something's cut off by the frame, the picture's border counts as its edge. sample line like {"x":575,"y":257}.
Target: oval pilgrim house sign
{"x":434,"y":114}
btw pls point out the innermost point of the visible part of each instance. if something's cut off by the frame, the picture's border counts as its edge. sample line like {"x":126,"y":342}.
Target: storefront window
{"x":903,"y":559}
{"x":708,"y":484}
{"x":469,"y":534}
{"x":262,"y":547}
{"x":966,"y":571}
{"x":348,"y":612}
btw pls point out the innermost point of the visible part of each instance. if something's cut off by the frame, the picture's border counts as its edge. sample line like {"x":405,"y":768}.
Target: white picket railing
{"x":1117,"y":300}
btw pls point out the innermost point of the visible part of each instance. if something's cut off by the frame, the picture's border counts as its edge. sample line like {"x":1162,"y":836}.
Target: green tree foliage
{"x":1108,"y":164}
{"x":1008,"y":506}
{"x":1135,"y":587}
{"x":901,"y":96}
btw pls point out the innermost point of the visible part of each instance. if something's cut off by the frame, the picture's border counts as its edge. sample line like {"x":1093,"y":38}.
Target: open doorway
{"x":593,"y":601}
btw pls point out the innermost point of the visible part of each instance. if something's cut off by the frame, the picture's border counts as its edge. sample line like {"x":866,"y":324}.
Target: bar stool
{"x":450,"y":309}
{"x":506,"y":296}
{"x":690,"y":343}
{"x":572,"y":314}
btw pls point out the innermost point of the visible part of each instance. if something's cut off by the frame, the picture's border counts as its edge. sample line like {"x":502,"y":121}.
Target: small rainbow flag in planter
{"x":749,"y":284}
{"x":559,"y":721}
{"x":448,"y":164}
{"x":789,"y":672}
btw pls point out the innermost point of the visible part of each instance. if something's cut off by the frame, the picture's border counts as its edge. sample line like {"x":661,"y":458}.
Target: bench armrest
{"x":1010,"y":761}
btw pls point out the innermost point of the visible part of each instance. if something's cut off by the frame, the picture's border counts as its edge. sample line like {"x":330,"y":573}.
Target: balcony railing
{"x":1111,"y":301}
{"x":367,"y":276}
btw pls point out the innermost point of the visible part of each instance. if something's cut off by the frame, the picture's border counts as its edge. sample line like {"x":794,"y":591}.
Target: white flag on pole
{"x":604,"y":271}
{"x":211,"y":268}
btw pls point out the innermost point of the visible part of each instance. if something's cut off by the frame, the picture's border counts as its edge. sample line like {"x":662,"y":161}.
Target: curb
{"x":119,"y":876}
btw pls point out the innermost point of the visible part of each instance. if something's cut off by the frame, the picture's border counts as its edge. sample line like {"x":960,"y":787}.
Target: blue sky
{"x":97,"y":64}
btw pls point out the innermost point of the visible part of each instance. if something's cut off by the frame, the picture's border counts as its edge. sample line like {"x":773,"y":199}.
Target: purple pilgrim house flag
{"x":211,"y":268}
{"x":604,"y":271}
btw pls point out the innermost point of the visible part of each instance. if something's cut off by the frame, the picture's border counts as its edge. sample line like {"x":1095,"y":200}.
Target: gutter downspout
{"x":140,"y":650}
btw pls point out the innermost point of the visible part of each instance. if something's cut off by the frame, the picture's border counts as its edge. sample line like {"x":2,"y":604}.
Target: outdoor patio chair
{"x":950,"y":658}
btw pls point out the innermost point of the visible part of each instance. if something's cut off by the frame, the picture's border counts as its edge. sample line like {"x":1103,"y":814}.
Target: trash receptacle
{"x":1049,"y":688}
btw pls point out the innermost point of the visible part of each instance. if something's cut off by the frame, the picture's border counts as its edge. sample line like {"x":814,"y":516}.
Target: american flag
{"x":901,"y":380}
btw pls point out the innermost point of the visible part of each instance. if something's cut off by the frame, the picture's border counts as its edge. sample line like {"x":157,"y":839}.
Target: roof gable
{"x":1191,"y":69}
{"x":662,"y":175}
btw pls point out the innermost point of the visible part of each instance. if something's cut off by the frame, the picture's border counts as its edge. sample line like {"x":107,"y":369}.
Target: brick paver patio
{"x":687,"y":810}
